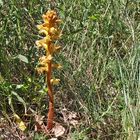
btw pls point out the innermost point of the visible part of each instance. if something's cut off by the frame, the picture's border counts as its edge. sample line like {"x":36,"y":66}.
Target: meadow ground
{"x":100,"y":79}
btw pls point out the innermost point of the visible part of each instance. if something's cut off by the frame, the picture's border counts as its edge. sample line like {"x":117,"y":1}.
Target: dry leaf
{"x":58,"y":130}
{"x":70,"y":117}
{"x":73,"y":122}
{"x":39,"y":119}
{"x":39,"y":126}
{"x":20,"y":123}
{"x":53,"y":139}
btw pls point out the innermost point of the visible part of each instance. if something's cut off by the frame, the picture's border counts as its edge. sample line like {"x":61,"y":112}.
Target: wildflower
{"x":50,"y":29}
{"x":55,"y":81}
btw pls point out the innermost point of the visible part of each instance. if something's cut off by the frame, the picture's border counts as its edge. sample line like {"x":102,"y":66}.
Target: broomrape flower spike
{"x":50,"y":29}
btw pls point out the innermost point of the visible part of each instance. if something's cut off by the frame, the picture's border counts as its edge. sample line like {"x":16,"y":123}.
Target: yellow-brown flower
{"x":50,"y":29}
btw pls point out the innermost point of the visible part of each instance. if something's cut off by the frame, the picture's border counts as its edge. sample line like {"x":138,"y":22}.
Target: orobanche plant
{"x":46,"y":64}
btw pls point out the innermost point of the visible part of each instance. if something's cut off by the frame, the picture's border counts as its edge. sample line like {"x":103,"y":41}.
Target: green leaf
{"x":94,"y":17}
{"x":23,"y":58}
{"x":20,"y":100}
{"x":1,"y":79}
{"x":19,"y":86}
{"x":10,"y":102}
{"x":1,"y":2}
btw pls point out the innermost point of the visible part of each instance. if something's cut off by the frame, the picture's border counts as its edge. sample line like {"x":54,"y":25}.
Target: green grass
{"x":100,"y":57}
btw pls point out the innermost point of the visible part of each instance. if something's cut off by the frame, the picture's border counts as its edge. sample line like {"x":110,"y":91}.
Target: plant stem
{"x":51,"y":98}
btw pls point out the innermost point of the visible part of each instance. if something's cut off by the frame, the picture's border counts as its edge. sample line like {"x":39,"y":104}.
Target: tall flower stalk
{"x":46,"y":65}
